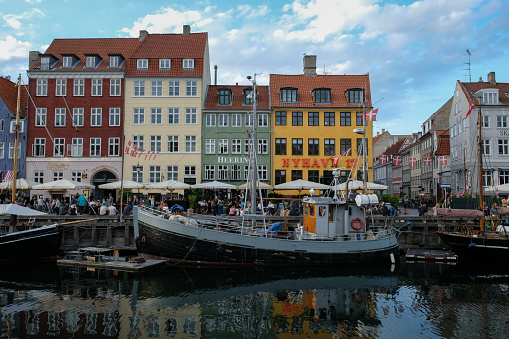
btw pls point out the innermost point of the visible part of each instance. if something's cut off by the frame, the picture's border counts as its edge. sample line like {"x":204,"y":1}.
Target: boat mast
{"x":16,"y":143}
{"x":478,"y":95}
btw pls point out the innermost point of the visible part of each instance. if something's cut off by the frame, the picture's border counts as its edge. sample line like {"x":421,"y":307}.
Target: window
{"x":297,"y":118}
{"x":42,"y":87}
{"x":191,"y":88}
{"x":40,"y":117}
{"x":210,"y":120}
{"x":288,"y":95}
{"x":503,"y":146}
{"x":297,"y":148}
{"x":190,"y":143}
{"x":490,"y":98}
{"x":360,"y":150}
{"x":262,"y":172}
{"x":155,"y":143}
{"x":90,"y":61}
{"x":96,"y":116}
{"x":172,"y":173}
{"x":114,"y":61}
{"x":11,"y":150}
{"x":113,"y":146}
{"x":345,"y":119}
{"x":138,"y":141}
{"x":224,"y":97}
{"x":2,"y":124}
{"x":322,"y":96}
{"x":58,"y":175}
{"x":210,"y":172}
{"x":236,"y":120}
{"x":173,"y":116}
{"x":248,"y":143}
{"x":313,"y":146}
{"x":190,"y":175}
{"x":191,"y":117}
{"x":156,"y":116}
{"x":222,"y":120}
{"x":247,"y":97}
{"x":154,"y":174}
{"x":329,"y":147}
{"x":115,"y":87}
{"x":76,"y":176}
{"x":97,"y":87}
{"x":115,"y":116}
{"x":44,"y":63}
{"x":236,"y":146}
{"x":173,"y":88}
{"x":263,"y":120}
{"x":329,"y":119}
{"x":39,"y":177}
{"x":280,"y":118}
{"x":314,"y":176}
{"x":77,"y":147}
{"x":164,"y":63}
{"x":223,"y":146}
{"x":501,"y":120}
{"x":173,"y":143}
{"x":280,"y":146}
{"x":263,"y":146}
{"x":485,"y":121}
{"x":296,"y":175}
{"x":39,"y":147}
{"x":222,"y":172}
{"x":249,"y":120}
{"x":279,"y":177}
{"x":59,"y":116}
{"x":313,"y":119}
{"x":504,"y":177}
{"x":188,"y":63}
{"x":355,"y":96}
{"x":210,"y":146}
{"x":137,"y":173}
{"x":142,"y":64}
{"x":139,"y":88}
{"x":67,"y":62}
{"x":485,"y":147}
{"x":79,"y":87}
{"x":359,"y":121}
{"x":345,"y":145}
{"x":60,"y":87}
{"x":157,"y":88}
{"x":138,"y":116}
{"x":235,"y":172}
{"x":487,"y":178}
{"x":59,"y":147}
{"x":95,"y":147}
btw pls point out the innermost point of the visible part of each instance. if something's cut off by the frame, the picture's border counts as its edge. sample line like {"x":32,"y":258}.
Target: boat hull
{"x":477,"y":248}
{"x":172,"y":241}
{"x":39,"y":244}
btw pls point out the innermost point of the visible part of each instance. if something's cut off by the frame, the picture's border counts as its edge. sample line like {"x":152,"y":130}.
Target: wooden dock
{"x":413,"y":254}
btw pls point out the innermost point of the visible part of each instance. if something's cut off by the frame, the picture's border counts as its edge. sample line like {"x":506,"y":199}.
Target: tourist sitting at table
{"x":128,"y":210}
{"x":104,"y":208}
{"x":112,"y":210}
{"x":64,"y":209}
{"x":72,"y":210}
{"x":233,"y":210}
{"x":494,"y":209}
{"x":270,"y":206}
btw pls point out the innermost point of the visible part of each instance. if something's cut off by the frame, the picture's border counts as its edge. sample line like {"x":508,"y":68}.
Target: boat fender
{"x":357,"y":224}
{"x":358,"y":299}
{"x":142,"y":240}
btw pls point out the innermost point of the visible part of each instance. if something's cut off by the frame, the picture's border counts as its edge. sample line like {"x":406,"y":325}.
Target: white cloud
{"x":13,"y":48}
{"x":15,"y":21}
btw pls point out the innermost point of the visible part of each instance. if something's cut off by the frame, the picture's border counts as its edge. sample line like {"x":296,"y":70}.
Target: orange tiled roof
{"x":237,"y":91}
{"x":82,"y":47}
{"x":375,"y":139}
{"x":444,"y":146}
{"x":395,"y":148}
{"x":305,"y":84}
{"x":9,"y":94}
{"x":472,"y":87}
{"x":170,"y":46}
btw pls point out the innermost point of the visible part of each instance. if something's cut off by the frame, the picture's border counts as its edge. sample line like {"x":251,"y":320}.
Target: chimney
{"x":187,"y":30}
{"x":33,"y":58}
{"x":491,"y":78}
{"x":143,"y":35}
{"x":215,"y":74}
{"x":377,"y":133}
{"x":310,"y":65}
{"x":383,"y":130}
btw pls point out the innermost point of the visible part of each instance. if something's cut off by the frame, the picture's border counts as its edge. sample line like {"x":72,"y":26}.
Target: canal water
{"x":410,"y":300}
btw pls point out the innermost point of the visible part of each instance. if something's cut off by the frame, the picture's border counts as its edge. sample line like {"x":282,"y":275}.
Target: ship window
{"x":322,"y":210}
{"x":312,"y":211}
{"x":305,"y":209}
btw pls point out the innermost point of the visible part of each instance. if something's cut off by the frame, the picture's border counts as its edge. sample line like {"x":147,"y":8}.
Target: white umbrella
{"x":262,"y":185}
{"x":214,"y":185}
{"x":18,"y":210}
{"x":128,"y":184}
{"x":300,"y":185}
{"x":169,"y":185}
{"x":21,"y":184}
{"x":358,"y":185}
{"x":62,"y":184}
{"x":504,"y":188}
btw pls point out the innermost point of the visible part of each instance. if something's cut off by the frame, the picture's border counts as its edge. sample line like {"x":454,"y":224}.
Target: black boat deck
{"x":416,"y":254}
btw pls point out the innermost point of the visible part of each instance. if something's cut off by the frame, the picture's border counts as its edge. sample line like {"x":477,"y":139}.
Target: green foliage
{"x":392,"y":199}
{"x":195,"y":196}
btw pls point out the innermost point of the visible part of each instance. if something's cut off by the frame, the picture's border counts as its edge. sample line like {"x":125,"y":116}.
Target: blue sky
{"x":415,"y":51}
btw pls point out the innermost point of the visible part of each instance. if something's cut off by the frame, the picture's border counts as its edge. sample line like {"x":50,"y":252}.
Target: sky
{"x":414,"y":51}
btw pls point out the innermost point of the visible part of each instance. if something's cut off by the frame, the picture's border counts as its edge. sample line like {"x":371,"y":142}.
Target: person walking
{"x":405,"y":203}
{"x":110,"y":200}
{"x":81,"y":203}
{"x":215,"y":203}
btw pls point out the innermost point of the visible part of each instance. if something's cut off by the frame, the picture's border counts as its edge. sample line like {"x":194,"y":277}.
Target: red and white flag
{"x":346,"y":153}
{"x":383,"y":159}
{"x":427,"y":161}
{"x":129,"y":143}
{"x":370,"y":116}
{"x":412,"y":162}
{"x":397,"y":160}
{"x":472,"y":106}
{"x":8,"y":176}
{"x":443,"y":160}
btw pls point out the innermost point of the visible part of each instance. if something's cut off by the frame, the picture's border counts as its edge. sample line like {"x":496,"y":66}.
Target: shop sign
{"x":332,"y":162}
{"x":232,"y":160}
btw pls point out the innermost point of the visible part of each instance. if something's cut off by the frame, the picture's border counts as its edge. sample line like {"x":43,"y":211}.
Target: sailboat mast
{"x":479,"y":116}
{"x":253,"y":153}
{"x":16,"y":143}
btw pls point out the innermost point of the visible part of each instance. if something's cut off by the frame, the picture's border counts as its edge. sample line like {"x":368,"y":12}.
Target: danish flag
{"x":129,"y":143}
{"x":370,"y":116}
{"x":396,"y":161}
{"x":412,"y":162}
{"x":443,"y":160}
{"x":472,"y":106}
{"x":383,"y":159}
{"x":427,"y":161}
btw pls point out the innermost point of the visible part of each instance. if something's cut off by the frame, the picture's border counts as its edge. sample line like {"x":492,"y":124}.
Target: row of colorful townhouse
{"x":144,"y":109}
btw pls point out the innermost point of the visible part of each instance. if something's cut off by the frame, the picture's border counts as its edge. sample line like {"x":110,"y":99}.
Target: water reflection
{"x":415,"y":300}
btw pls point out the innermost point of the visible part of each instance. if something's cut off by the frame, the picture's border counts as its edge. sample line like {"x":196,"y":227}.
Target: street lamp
{"x":138,"y":169}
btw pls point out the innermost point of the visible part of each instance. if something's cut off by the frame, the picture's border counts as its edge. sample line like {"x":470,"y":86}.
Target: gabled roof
{"x":396,"y":147}
{"x":444,"y":146}
{"x":103,"y":47}
{"x":211,"y":102}
{"x":472,"y":87}
{"x":378,"y":137}
{"x":9,"y":94}
{"x":306,"y":84}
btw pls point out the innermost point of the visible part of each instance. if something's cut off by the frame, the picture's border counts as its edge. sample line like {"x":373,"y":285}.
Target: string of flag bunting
{"x":412,"y":161}
{"x":135,"y":151}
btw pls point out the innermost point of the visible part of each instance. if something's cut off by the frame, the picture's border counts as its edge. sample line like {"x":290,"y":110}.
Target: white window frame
{"x":222,"y":146}
{"x":222,"y":172}
{"x":263,"y":146}
{"x":40,"y":116}
{"x":39,"y":147}
{"x":77,"y":147}
{"x":2,"y":150}
{"x":95,"y":147}
{"x":222,"y":120}
{"x":188,"y":63}
{"x":236,"y":146}
{"x":114,"y":61}
{"x":97,"y":87}
{"x":139,"y":88}
{"x":114,"y":116}
{"x":190,"y":144}
{"x":137,"y":175}
{"x":191,"y":116}
{"x":96,"y":115}
{"x":67,"y":62}
{"x":154,"y":173}
{"x":165,"y":64}
{"x":58,"y":175}
{"x":501,"y":121}
{"x":113,"y":146}
{"x":90,"y":61}
{"x":263,"y":120}
{"x":174,"y":88}
{"x":262,"y":172}
{"x":210,"y":120}
{"x":76,"y":176}
{"x":236,"y":120}
{"x":39,"y":177}
{"x":156,"y":88}
{"x":115,"y":87}
{"x":139,"y":116}
{"x":155,"y":143}
{"x":235,"y":172}
{"x":59,"y":147}
{"x":210,"y":172}
{"x":156,"y":116}
{"x":79,"y":87}
{"x":42,"y":87}
{"x":191,"y":88}
{"x":172,"y":172}
{"x":173,"y":143}
{"x":142,"y":64}
{"x":60,"y":87}
{"x":139,"y":141}
{"x":173,"y":116}
{"x":59,"y":117}
{"x":210,"y":146}
{"x":249,"y":120}
{"x":78,"y":116}
{"x":503,"y":146}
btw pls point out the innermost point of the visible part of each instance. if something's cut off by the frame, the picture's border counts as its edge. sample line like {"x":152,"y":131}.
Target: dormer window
{"x":164,"y":63}
{"x":247,"y":97}
{"x":115,"y":61}
{"x":225,"y":96}
{"x":321,"y":95}
{"x":490,"y":97}
{"x":91,"y":61}
{"x":355,"y":95}
{"x":45,"y":63}
{"x":142,"y":64}
{"x":67,"y":62}
{"x":188,"y":64}
{"x":289,"y":95}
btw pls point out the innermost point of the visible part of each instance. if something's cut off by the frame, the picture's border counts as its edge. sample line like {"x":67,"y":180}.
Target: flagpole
{"x":16,"y":143}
